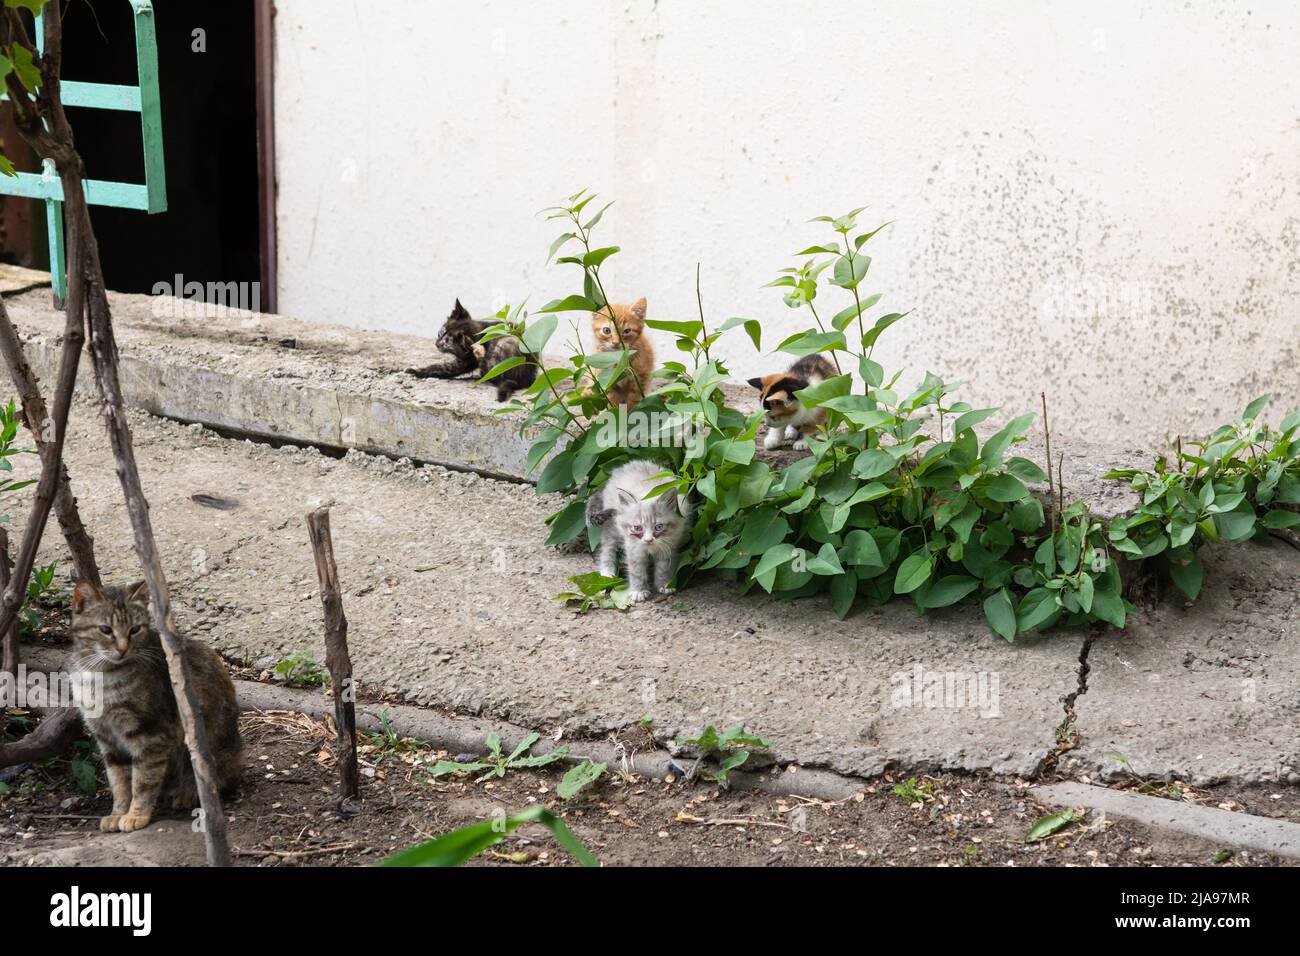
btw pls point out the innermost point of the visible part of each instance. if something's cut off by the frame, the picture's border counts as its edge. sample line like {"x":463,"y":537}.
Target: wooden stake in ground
{"x":45,"y":126}
{"x":39,"y":424}
{"x":337,"y":659}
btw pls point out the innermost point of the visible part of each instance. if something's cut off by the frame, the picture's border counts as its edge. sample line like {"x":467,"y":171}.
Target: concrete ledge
{"x":1222,"y":827}
{"x":284,"y":380}
{"x":288,"y":380}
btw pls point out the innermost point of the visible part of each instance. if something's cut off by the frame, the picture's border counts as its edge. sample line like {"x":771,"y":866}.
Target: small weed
{"x":596,"y":591}
{"x":385,"y":742}
{"x":1223,"y":856}
{"x":496,"y":764}
{"x":1045,"y":826}
{"x":913,"y":791}
{"x":728,"y":747}
{"x":579,"y":778}
{"x":300,"y":670}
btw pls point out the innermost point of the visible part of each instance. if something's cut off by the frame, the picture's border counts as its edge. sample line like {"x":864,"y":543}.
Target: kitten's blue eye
{"x":105,"y":629}
{"x":636,"y":529}
{"x":606,"y":330}
{"x":659,"y":527}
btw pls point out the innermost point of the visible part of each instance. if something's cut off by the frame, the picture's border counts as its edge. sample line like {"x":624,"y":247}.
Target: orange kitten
{"x":635,"y":384}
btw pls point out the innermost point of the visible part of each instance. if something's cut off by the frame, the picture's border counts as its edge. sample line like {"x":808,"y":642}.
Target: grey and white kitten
{"x":643,"y":529}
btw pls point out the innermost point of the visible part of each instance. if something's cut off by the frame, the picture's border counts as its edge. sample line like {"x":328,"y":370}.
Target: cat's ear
{"x":458,"y":311}
{"x":669,"y":499}
{"x":757,"y":383}
{"x":638,"y":308}
{"x":84,"y":595}
{"x":138,"y":593}
{"x":626,"y":497}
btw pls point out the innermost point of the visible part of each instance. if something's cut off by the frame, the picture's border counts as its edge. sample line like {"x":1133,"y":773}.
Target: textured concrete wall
{"x":1099,"y":200}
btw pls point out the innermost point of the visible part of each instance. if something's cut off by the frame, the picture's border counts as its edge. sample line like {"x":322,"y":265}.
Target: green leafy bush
{"x":899,"y":496}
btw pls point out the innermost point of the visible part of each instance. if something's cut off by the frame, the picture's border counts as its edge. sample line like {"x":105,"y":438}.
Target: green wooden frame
{"x":151,"y":197}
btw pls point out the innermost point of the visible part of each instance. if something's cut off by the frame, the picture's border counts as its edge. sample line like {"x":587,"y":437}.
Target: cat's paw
{"x":772,"y":440}
{"x":109,"y":823}
{"x":639,"y":596}
{"x":133,"y":821}
{"x":800,"y":445}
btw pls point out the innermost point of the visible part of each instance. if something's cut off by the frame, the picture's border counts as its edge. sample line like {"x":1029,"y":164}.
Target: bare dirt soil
{"x":287,"y":815}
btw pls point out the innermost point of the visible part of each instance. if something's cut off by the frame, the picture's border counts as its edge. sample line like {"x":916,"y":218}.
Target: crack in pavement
{"x":1067,"y":735}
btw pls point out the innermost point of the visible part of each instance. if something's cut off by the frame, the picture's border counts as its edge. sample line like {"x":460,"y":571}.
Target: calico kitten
{"x":644,"y":530}
{"x":136,"y":725}
{"x":634,"y":384}
{"x":459,"y":338}
{"x":787,"y":419}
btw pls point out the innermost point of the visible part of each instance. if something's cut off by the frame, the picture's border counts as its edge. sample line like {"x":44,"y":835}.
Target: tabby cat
{"x":134,"y":721}
{"x":642,"y":529}
{"x":634,"y":384}
{"x":459,"y":338}
{"x":787,"y":419}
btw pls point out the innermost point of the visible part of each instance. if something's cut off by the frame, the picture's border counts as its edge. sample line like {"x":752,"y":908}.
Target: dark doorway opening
{"x":209,"y":232}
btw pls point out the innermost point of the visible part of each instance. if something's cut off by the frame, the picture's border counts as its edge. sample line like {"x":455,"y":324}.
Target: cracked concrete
{"x":449,"y":589}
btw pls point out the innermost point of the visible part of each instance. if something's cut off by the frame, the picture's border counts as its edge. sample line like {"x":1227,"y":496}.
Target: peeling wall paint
{"x":1100,"y":201}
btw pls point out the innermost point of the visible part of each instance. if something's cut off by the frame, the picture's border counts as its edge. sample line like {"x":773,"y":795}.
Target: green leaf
{"x":24,"y":67}
{"x":859,"y":410}
{"x":503,"y":366}
{"x":1000,"y":614}
{"x":1254,"y":408}
{"x":459,"y":846}
{"x":882,"y":323}
{"x":774,"y":557}
{"x":538,"y":333}
{"x":1188,"y":574}
{"x":810,"y":342}
{"x":860,"y":549}
{"x":557,"y":245}
{"x":844,"y":590}
{"x":946,"y":591}
{"x":1006,"y":488}
{"x":571,"y":303}
{"x":594,"y":258}
{"x":581,"y":776}
{"x":766,"y":529}
{"x":850,"y":269}
{"x":873,"y":463}
{"x":1236,"y":525}
{"x":1036,"y":608}
{"x":558,"y":473}
{"x":569,"y":523}
{"x":826,"y":562}
{"x":971,"y":418}
{"x":1281,"y":518}
{"x":1045,"y":826}
{"x":912,"y":573}
{"x":996,"y":446}
{"x":836,"y":386}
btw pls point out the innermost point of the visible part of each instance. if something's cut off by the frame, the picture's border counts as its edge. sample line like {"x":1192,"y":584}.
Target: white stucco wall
{"x":1101,"y":200}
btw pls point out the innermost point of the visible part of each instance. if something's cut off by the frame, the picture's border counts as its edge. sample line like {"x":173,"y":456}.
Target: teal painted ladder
{"x":143,"y":99}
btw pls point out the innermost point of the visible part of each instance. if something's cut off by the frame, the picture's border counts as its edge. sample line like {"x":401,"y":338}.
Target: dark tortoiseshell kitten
{"x":459,"y":338}
{"x":134,"y":718}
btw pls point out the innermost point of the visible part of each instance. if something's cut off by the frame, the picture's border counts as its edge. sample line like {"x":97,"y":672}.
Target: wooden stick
{"x":45,"y":125}
{"x":9,"y":655}
{"x":1051,"y":485}
{"x":51,"y":738}
{"x":38,"y":422}
{"x":337,"y":658}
